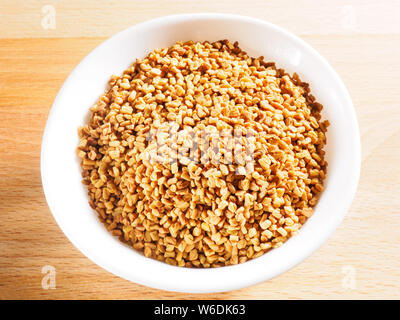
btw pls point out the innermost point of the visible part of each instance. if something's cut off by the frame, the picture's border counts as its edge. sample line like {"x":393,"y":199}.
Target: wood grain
{"x":34,"y":63}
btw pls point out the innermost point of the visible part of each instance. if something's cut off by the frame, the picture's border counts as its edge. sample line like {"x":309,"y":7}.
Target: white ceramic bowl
{"x":61,"y":174}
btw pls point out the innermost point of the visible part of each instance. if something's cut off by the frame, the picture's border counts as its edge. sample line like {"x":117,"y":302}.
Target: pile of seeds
{"x":201,"y":156}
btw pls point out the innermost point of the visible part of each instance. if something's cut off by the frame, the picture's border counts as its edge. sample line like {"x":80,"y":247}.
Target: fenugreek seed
{"x":126,"y":109}
{"x":147,"y":252}
{"x":252,"y":232}
{"x":224,"y":169}
{"x":306,"y":212}
{"x":174,"y":168}
{"x":196,"y":231}
{"x":265,"y":224}
{"x":282,"y":231}
{"x":241,"y":170}
{"x":155,"y":72}
{"x":125,"y":85}
{"x":263,"y":163}
{"x":188,"y":121}
{"x":193,"y":255}
{"x":81,"y":154}
{"x":132,"y":96}
{"x":223,"y":204}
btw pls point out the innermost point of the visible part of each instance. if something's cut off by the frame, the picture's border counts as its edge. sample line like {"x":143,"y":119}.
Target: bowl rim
{"x":236,"y":269}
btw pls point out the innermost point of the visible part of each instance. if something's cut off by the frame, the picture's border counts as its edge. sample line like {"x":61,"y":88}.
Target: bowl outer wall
{"x":67,"y":198}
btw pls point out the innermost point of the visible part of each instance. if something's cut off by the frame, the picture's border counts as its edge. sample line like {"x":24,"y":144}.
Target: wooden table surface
{"x":42,"y":41}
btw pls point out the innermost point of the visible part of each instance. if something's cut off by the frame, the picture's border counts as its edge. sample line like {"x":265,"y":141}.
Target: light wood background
{"x":361,"y":39}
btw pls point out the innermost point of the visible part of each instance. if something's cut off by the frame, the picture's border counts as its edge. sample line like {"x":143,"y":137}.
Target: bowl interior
{"x":67,"y":198}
